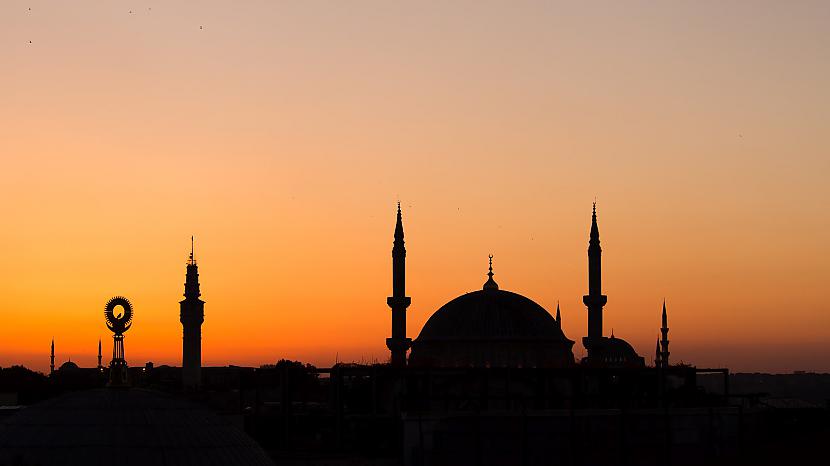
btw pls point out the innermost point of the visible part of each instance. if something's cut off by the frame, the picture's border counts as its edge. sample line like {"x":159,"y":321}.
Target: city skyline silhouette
{"x":494,"y":129}
{"x":414,"y":234}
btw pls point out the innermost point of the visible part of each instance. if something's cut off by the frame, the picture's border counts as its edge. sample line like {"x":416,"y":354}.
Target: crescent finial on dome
{"x":491,"y":284}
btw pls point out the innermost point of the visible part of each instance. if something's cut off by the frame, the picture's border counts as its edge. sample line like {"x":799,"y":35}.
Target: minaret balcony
{"x":396,"y":302}
{"x":591,"y":300}
{"x":398,"y":344}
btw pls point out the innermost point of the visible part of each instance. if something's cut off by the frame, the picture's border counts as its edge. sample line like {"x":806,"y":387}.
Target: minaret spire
{"x":52,"y":358}
{"x":99,"y":355}
{"x":398,"y":344}
{"x":594,"y":300}
{"x":558,"y":316}
{"x":664,"y":342}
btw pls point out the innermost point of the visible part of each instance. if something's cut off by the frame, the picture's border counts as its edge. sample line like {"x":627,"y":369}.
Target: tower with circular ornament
{"x":118,"y":315}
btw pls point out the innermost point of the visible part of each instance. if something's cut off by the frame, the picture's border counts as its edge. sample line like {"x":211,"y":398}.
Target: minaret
{"x":664,"y":342}
{"x":192,"y":314}
{"x":657,"y":354}
{"x":594,"y":300}
{"x":398,"y":344}
{"x":52,"y":358}
{"x":99,"y":355}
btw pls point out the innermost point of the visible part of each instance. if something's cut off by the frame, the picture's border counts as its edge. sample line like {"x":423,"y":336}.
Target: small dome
{"x":492,"y":327}
{"x":614,"y":352}
{"x":129,"y":426}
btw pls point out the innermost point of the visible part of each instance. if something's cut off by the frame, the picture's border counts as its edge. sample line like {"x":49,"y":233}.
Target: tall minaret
{"x":52,"y":357}
{"x":664,"y":342}
{"x":99,"y":355}
{"x":192,"y":314}
{"x":398,"y":344}
{"x":594,"y":300}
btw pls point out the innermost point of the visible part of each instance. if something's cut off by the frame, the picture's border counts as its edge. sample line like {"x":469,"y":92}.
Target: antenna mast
{"x":192,"y":258}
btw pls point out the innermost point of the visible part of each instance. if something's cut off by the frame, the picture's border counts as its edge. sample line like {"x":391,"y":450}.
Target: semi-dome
{"x":129,"y":426}
{"x":492,"y":327}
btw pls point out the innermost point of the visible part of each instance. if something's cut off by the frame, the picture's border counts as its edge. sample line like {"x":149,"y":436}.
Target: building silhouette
{"x":192,"y":315}
{"x":492,"y":328}
{"x":497,"y":328}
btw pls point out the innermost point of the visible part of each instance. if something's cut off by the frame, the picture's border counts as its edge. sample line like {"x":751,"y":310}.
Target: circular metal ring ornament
{"x":120,"y":323}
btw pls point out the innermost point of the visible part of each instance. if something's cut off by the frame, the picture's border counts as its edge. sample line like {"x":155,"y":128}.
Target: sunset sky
{"x":281,"y":135}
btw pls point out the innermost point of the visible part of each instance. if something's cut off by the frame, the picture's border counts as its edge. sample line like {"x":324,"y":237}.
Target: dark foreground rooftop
{"x":123,"y":427}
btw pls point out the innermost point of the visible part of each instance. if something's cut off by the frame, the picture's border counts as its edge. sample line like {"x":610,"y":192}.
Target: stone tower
{"x":398,"y":344}
{"x":192,"y":314}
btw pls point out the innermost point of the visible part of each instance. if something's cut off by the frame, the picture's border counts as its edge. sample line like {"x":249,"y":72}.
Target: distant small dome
{"x":614,"y":352}
{"x":68,"y":366}
{"x":492,"y":327}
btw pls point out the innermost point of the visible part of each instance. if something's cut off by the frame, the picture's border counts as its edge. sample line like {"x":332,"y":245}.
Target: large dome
{"x":492,"y":327}
{"x":123,"y":426}
{"x":491,"y":314}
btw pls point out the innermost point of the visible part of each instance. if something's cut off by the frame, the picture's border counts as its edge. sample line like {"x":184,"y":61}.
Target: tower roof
{"x":399,"y":224}
{"x":594,"y":226}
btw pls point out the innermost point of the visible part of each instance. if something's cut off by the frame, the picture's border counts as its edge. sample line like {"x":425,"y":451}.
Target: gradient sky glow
{"x":282,"y":133}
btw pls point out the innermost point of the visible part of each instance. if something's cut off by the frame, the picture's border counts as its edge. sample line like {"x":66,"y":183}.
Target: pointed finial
{"x":558,"y":316}
{"x":192,"y":259}
{"x":665,"y":320}
{"x":594,"y":228}
{"x":399,"y":225}
{"x":490,"y":284}
{"x":612,"y":332}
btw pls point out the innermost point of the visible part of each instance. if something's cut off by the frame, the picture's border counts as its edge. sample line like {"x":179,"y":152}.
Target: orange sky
{"x":281,"y":135}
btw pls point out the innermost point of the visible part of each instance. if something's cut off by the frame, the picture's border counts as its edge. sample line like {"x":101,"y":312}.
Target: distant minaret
{"x":398,"y":344}
{"x":664,"y":342}
{"x":52,"y":358}
{"x":594,"y":300}
{"x":192,"y":314}
{"x":99,"y":355}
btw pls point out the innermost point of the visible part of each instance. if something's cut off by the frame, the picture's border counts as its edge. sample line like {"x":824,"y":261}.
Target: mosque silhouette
{"x":491,"y":378}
